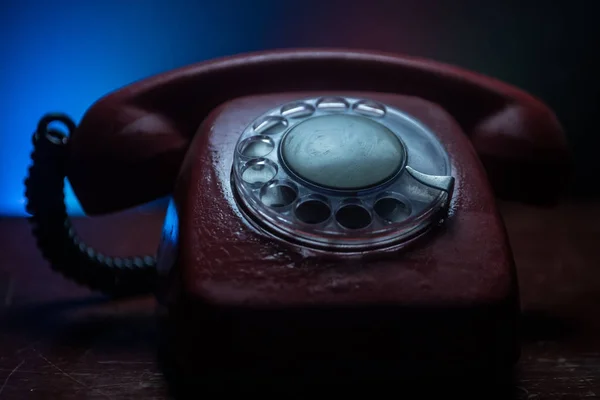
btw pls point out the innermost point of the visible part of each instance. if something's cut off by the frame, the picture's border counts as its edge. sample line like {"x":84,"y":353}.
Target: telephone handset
{"x":328,"y":189}
{"x":132,"y":142}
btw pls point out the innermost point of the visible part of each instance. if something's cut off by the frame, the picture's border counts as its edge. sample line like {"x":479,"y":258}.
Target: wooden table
{"x":58,"y":340}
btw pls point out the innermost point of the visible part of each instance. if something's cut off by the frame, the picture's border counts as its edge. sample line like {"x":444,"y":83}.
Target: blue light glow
{"x":64,"y":55}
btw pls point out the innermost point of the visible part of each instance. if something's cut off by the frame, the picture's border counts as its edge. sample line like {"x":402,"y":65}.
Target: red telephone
{"x":329,"y":205}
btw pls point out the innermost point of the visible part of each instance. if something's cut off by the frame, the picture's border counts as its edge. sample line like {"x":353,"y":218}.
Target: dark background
{"x":63,"y":55}
{"x":59,"y":340}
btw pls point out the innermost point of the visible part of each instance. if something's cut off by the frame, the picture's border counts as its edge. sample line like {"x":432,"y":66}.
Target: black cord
{"x":56,"y":238}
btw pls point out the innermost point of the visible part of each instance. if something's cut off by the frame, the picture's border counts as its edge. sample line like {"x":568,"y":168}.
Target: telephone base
{"x":244,"y":304}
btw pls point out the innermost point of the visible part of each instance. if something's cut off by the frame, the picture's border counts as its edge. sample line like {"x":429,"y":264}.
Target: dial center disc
{"x":342,"y":152}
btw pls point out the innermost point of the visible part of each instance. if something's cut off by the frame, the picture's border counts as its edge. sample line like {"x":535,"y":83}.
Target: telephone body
{"x":419,"y":279}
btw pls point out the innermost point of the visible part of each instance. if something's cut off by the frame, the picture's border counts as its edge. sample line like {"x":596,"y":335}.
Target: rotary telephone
{"x":328,"y":205}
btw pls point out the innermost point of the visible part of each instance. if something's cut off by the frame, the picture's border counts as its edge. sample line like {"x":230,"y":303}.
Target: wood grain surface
{"x":60,"y":341}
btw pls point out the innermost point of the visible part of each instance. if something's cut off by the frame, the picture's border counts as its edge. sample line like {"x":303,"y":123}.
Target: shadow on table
{"x":367,"y":378}
{"x":542,"y":325}
{"x":351,"y":380}
{"x":80,"y":323}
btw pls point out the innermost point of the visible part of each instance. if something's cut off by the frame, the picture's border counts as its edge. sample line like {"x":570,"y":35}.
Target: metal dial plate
{"x":341,"y":173}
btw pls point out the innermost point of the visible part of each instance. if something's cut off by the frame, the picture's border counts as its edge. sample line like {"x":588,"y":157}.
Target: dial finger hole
{"x":369,"y":108}
{"x":353,"y":216}
{"x":297,"y":110}
{"x":332,"y":104}
{"x":313,"y":210}
{"x":270,"y":125}
{"x":259,"y":171}
{"x":256,"y":146}
{"x":391,"y":209}
{"x":278,"y":194}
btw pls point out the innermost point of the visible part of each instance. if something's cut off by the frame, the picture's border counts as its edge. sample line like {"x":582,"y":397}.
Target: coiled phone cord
{"x":51,"y":225}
